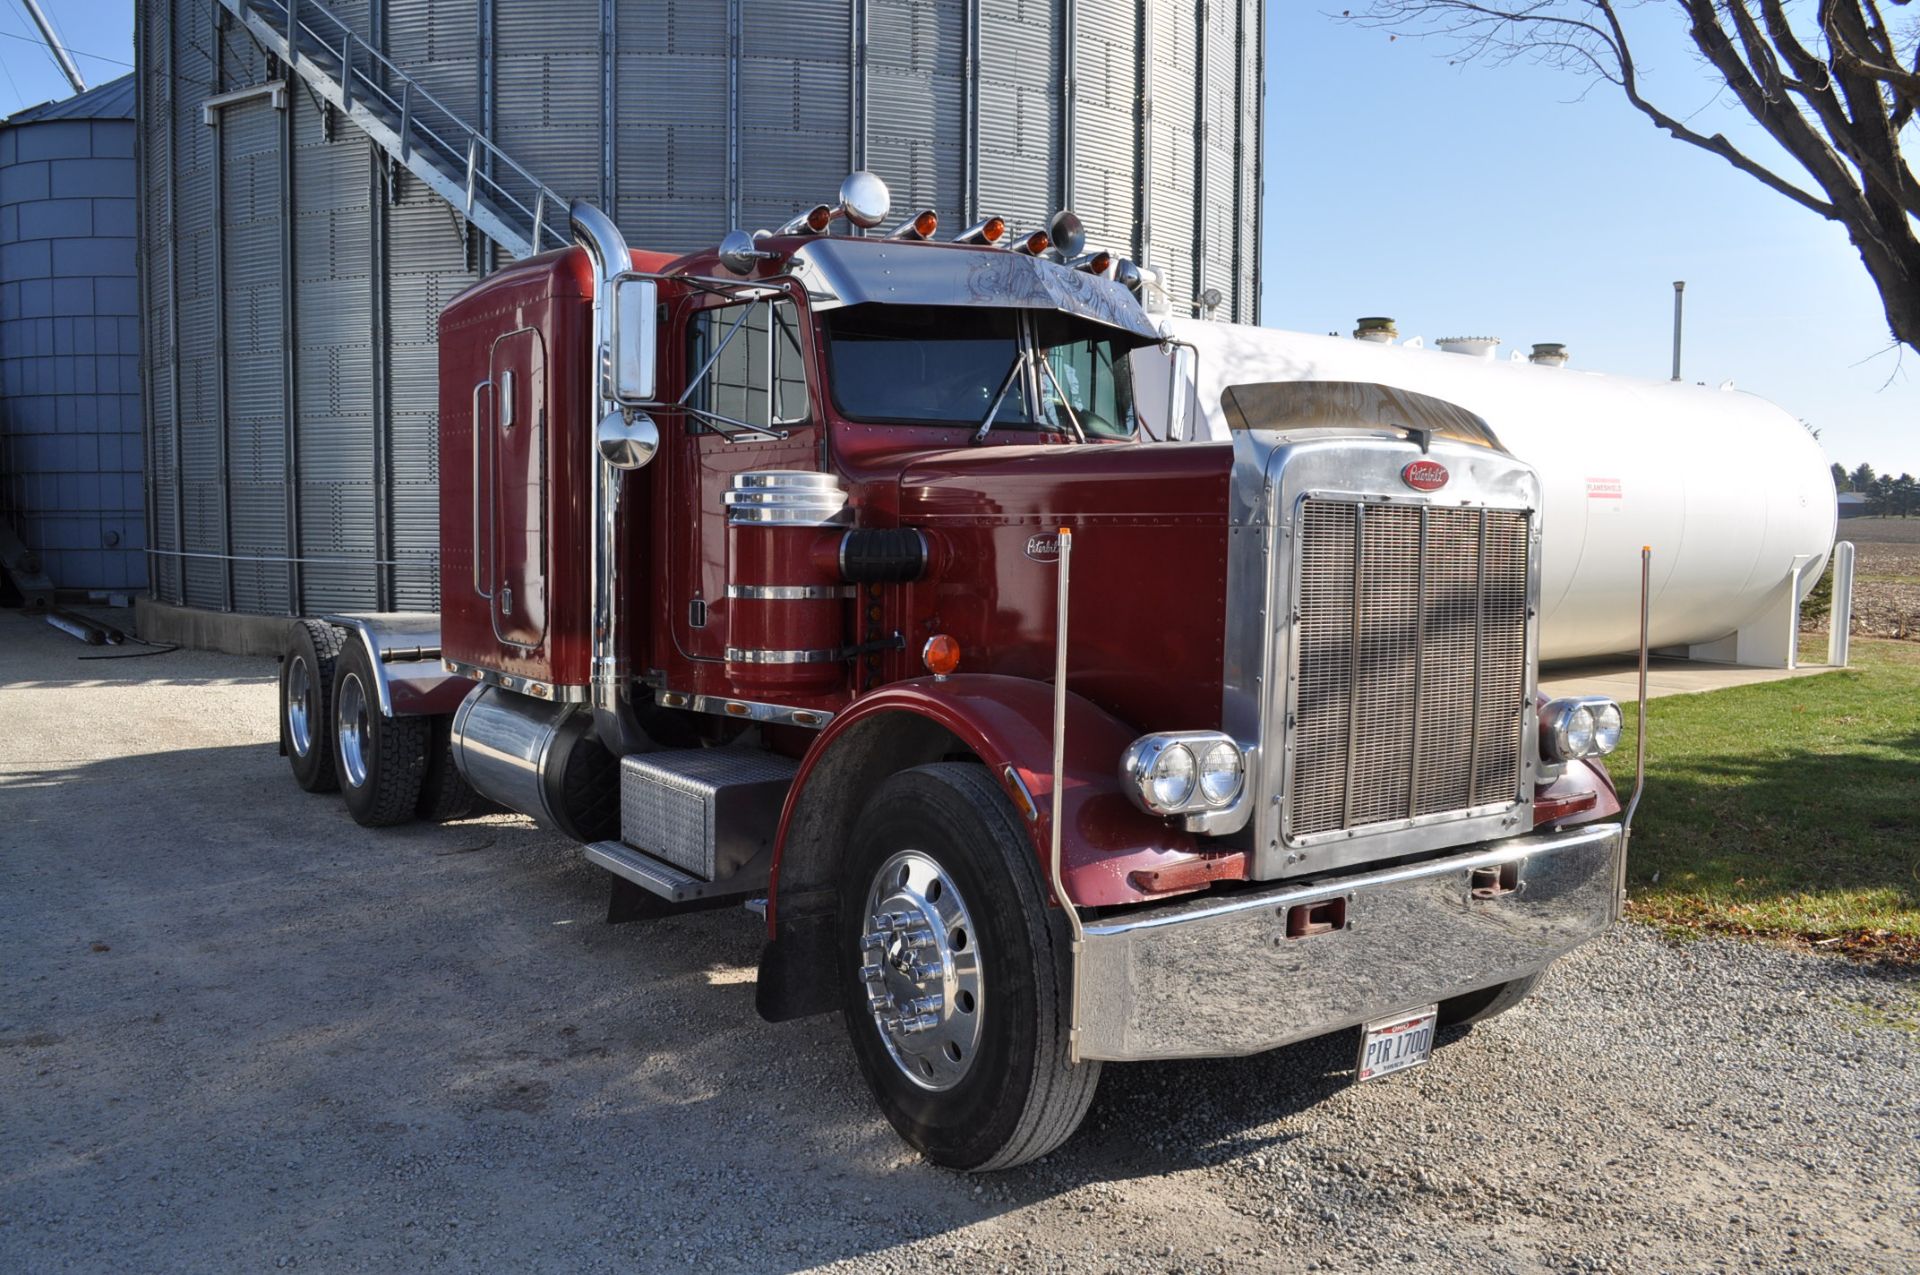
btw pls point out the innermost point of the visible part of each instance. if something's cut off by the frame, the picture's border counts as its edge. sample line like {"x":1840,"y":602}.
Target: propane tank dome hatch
{"x":1292,"y":405}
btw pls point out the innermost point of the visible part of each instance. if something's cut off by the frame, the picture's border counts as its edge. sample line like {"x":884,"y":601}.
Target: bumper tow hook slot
{"x":1304,"y":920}
{"x":1494,"y":882}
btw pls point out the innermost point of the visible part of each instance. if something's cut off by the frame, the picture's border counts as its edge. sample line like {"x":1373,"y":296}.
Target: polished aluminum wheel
{"x":920,"y":961}
{"x":356,"y":745}
{"x":300,"y":707}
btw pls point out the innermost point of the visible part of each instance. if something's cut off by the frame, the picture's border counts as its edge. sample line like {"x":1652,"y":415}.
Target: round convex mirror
{"x":627,"y":442}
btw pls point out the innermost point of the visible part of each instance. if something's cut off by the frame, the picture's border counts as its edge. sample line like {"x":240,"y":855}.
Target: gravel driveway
{"x":239,"y":1032}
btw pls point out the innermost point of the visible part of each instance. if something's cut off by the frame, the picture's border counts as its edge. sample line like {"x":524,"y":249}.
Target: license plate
{"x":1394,"y":1044}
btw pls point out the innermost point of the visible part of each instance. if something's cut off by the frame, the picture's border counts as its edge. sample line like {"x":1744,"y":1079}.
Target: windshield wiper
{"x":1073,"y":417}
{"x":1006,"y":383}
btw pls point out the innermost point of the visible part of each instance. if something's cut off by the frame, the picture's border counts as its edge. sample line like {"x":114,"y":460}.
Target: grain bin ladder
{"x":506,"y":202}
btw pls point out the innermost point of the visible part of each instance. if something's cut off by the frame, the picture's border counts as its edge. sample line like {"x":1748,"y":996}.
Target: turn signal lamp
{"x":941,"y":655}
{"x":1034,"y":244}
{"x":988,"y":230}
{"x":921,"y":226}
{"x":1183,"y":772}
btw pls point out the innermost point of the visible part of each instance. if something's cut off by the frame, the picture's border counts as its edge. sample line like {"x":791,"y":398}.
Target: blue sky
{"x":1479,"y":199}
{"x":1485,"y":200}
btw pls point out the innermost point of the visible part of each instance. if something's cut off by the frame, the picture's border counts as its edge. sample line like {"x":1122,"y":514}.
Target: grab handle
{"x":479,"y":436}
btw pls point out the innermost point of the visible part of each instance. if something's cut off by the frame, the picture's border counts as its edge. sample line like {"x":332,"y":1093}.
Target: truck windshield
{"x":940,"y":365}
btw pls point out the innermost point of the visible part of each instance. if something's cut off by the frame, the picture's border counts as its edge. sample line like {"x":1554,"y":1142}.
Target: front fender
{"x":1007,"y":722}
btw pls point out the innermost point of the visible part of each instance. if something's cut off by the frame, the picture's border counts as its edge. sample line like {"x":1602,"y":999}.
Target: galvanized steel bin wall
{"x":293,"y":279}
{"x":70,"y":340}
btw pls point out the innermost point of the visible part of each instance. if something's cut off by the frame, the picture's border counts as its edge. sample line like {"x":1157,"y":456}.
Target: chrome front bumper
{"x":1219,"y":976}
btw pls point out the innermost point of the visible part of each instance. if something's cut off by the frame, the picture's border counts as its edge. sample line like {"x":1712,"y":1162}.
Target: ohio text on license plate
{"x":1394,"y":1044}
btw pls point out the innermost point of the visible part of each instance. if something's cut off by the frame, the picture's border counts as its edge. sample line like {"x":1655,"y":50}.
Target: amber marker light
{"x":941,"y":655}
{"x":1034,"y":244}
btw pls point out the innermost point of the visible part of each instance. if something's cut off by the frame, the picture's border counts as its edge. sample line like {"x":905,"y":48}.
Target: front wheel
{"x":955,"y":976}
{"x":381,"y":760}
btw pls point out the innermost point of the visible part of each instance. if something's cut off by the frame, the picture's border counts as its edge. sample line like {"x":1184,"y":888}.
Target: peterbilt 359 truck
{"x":834,"y":573}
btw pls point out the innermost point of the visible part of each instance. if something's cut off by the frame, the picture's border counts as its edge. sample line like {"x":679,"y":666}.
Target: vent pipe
{"x":1548,"y":354}
{"x":1378,"y":329}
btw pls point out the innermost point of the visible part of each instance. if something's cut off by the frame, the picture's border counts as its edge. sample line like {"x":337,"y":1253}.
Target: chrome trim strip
{"x":553,"y":692}
{"x":762,"y":655}
{"x":791,"y":592}
{"x":1213,"y":977}
{"x":743,"y":709}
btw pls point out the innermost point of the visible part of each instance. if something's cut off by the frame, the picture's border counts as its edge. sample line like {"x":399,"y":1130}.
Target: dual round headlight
{"x":1183,"y":772}
{"x":1574,"y":728}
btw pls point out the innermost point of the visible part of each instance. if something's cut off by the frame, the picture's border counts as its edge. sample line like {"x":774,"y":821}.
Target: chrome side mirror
{"x":633,"y":337}
{"x":865,"y":200}
{"x":740,"y":252}
{"x":627,"y":439}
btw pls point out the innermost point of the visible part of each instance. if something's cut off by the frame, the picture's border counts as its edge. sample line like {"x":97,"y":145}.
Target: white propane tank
{"x":1731,"y":492}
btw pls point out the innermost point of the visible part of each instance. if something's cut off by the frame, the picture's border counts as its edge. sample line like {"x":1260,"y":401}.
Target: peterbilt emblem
{"x":1424,"y":475}
{"x":1044,"y":548}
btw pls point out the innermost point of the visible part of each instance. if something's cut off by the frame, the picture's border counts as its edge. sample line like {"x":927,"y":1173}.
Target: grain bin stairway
{"x":483,"y":184}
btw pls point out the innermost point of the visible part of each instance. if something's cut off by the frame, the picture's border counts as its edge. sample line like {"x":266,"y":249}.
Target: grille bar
{"x":1411,"y":677}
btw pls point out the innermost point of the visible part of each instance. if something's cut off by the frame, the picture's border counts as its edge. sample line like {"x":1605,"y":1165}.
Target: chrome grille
{"x":1412,"y":663}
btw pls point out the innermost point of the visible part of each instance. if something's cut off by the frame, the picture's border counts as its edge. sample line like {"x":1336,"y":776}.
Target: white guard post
{"x":1840,"y":617}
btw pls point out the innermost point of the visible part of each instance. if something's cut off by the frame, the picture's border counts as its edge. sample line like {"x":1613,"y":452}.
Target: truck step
{"x":665,"y":880}
{"x":710,"y":812}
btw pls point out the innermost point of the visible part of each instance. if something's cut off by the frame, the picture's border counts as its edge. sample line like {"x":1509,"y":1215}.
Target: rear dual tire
{"x":381,"y":761}
{"x":306,"y":703}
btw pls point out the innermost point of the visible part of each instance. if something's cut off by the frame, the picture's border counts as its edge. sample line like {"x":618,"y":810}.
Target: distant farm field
{"x":1886,"y":593}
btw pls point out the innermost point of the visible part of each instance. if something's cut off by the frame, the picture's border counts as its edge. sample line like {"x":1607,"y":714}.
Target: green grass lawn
{"x":1789,"y":810}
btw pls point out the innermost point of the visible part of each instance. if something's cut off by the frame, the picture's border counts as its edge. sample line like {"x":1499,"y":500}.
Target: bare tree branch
{"x":1835,"y":93}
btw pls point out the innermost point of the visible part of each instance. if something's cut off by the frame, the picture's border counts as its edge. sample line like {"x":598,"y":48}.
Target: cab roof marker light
{"x":814,"y":221}
{"x":920,"y":226}
{"x":1032,"y":244}
{"x":988,"y":231}
{"x":1095,"y":263}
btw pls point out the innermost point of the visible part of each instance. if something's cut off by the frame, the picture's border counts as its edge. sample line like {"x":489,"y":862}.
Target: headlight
{"x":1170,"y":778}
{"x":1606,"y":727}
{"x":1574,"y":728}
{"x":1221,"y":770}
{"x":1183,"y":772}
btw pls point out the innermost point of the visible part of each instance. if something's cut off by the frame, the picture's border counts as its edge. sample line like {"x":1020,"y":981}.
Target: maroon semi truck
{"x":838,"y":573}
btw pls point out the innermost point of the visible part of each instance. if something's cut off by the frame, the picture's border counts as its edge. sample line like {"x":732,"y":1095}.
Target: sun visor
{"x":1299,"y":405}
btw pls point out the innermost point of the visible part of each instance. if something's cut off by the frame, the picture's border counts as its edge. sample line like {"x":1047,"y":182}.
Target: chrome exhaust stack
{"x":612,"y":718}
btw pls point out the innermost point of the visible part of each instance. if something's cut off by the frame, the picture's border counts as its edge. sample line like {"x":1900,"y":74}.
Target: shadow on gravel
{"x":440,"y":1011}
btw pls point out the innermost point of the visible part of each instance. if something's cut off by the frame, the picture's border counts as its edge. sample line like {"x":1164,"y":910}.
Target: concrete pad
{"x":1620,"y":677}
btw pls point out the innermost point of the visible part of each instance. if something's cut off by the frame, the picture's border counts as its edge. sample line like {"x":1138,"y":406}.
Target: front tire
{"x":306,"y":703}
{"x":382,"y":761}
{"x":954,"y":972}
